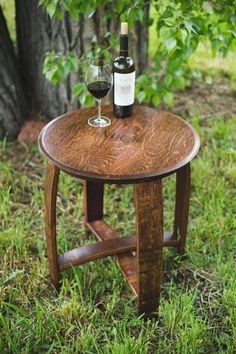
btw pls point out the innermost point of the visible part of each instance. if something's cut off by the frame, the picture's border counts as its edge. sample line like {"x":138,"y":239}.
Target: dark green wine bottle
{"x":123,"y":78}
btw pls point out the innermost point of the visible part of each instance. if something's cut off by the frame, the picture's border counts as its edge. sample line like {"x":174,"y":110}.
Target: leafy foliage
{"x":57,"y":66}
{"x":130,"y":11}
{"x":180,"y":26}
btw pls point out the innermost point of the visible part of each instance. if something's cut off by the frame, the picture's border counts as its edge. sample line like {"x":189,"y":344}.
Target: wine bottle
{"x":123,"y":78}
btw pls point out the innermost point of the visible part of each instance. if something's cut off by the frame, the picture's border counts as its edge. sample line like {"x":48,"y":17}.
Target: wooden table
{"x":138,"y":150}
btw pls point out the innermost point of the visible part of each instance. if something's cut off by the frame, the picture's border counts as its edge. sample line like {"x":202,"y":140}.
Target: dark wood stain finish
{"x":141,"y":150}
{"x":183,"y":189}
{"x":50,"y":196}
{"x":93,"y":200}
{"x":95,"y":251}
{"x":147,"y":145}
{"x":149,"y":221}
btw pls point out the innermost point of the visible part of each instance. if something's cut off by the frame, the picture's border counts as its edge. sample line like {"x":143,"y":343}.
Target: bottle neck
{"x":124,"y":46}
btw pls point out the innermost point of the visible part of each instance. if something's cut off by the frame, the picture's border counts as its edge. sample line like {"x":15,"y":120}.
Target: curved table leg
{"x":50,"y":195}
{"x":183,"y":187}
{"x":149,"y":221}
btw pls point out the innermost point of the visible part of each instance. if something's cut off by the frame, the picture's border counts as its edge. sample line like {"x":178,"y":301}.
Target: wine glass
{"x":99,"y":82}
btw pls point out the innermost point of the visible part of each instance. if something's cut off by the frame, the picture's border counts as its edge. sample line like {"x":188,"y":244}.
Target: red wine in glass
{"x":99,"y":82}
{"x":99,"y":89}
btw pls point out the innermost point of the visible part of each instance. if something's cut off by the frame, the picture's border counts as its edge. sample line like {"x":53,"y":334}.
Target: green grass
{"x":95,"y":311}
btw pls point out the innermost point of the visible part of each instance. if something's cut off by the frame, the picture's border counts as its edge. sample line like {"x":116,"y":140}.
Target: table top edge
{"x":117,"y":178}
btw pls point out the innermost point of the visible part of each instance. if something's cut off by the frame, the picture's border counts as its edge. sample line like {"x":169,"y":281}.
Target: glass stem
{"x":99,"y":109}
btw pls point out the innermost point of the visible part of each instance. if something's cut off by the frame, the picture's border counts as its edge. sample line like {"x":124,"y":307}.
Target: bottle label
{"x":124,"y":85}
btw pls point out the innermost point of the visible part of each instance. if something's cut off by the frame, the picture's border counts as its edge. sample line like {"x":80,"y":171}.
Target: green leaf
{"x":170,"y":21}
{"x":139,"y":15}
{"x":94,"y":38}
{"x":51,"y":8}
{"x":165,"y":32}
{"x":92,"y":13}
{"x":148,"y":90}
{"x":56,"y":77}
{"x":169,"y":98}
{"x":82,"y":98}
{"x":156,"y":100}
{"x":167,"y":13}
{"x":179,"y":82}
{"x":73,"y":61}
{"x":196,"y":73}
{"x":78,"y":88}
{"x":183,"y":34}
{"x":174,"y":64}
{"x":207,"y":6}
{"x":189,"y":26}
{"x":119,"y":6}
{"x":209,"y":79}
{"x":198,"y":25}
{"x":89,"y":100}
{"x":168,"y":79}
{"x":50,"y":72}
{"x":58,"y":14}
{"x":143,"y":79}
{"x":66,"y":68}
{"x":150,"y":21}
{"x":170,"y":43}
{"x":140,"y":96}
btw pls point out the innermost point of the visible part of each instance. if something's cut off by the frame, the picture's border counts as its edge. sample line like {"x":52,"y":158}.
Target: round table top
{"x":145,"y":146}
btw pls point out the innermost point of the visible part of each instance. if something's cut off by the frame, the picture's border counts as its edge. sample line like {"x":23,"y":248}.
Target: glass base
{"x":100,"y":122}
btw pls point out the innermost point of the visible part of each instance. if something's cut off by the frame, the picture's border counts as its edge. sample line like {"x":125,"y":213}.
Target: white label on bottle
{"x":124,"y":85}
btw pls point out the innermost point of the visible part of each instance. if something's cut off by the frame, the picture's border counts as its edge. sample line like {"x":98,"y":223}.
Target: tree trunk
{"x":36,"y":35}
{"x":139,"y":41}
{"x":13,"y":107}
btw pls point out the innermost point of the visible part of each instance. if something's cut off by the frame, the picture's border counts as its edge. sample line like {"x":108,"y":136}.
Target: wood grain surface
{"x":96,"y":250}
{"x":182,"y":200}
{"x":93,"y":201}
{"x":147,"y":145}
{"x":149,"y":221}
{"x":50,"y":196}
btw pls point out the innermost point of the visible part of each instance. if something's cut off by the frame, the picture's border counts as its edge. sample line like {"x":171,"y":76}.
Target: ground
{"x":204,"y":101}
{"x":95,"y":310}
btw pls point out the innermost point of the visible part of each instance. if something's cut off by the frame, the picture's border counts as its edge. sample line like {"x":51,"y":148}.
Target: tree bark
{"x":36,"y":35}
{"x":139,"y":41}
{"x":13,"y":106}
{"x":22,"y":82}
